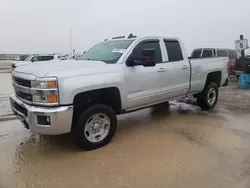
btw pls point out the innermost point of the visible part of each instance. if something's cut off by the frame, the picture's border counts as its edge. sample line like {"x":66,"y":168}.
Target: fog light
{"x":43,"y":120}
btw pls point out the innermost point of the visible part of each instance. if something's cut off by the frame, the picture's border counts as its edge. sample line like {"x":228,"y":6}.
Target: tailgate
{"x":238,"y":66}
{"x":243,"y":64}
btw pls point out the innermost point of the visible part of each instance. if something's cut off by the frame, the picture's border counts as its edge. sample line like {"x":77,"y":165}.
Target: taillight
{"x":228,"y":66}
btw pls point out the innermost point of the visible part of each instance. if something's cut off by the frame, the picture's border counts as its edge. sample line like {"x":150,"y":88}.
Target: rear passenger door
{"x":178,"y":70}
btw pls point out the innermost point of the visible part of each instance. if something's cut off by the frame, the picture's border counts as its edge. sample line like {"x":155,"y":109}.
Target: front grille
{"x":25,"y":96}
{"x":19,"y":108}
{"x":22,"y":82}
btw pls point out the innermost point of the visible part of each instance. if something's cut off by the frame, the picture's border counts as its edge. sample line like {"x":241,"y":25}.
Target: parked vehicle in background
{"x":34,"y":58}
{"x":242,"y":64}
{"x":63,"y":57}
{"x":217,"y":52}
{"x":22,"y":57}
{"x":115,"y":76}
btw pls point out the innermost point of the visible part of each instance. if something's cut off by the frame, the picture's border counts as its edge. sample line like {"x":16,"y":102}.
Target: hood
{"x":67,"y":68}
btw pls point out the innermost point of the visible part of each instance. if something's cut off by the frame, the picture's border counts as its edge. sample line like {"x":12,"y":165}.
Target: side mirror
{"x":32,"y":60}
{"x":148,"y":57}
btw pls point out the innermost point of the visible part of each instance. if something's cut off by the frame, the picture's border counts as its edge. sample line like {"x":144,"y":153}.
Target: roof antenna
{"x":131,"y":36}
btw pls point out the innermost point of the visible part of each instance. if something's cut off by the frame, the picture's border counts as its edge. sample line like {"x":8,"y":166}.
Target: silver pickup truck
{"x":115,"y":76}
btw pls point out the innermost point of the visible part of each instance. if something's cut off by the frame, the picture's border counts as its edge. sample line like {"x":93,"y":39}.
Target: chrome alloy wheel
{"x":97,"y":127}
{"x":211,"y":96}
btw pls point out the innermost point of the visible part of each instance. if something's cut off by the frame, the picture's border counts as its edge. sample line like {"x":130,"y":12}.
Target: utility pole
{"x":70,"y":43}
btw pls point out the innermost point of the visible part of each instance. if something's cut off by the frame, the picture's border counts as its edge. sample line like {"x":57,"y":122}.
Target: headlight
{"x":51,"y":99}
{"x":44,"y":84}
{"x":44,"y":91}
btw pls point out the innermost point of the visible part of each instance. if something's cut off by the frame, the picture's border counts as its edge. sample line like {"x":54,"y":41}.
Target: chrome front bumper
{"x":60,"y":118}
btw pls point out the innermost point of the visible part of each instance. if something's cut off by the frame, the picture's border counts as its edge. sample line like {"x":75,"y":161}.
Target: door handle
{"x":184,"y":67}
{"x":162,"y":70}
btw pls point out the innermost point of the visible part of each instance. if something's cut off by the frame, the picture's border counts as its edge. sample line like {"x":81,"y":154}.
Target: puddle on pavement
{"x":160,"y":147}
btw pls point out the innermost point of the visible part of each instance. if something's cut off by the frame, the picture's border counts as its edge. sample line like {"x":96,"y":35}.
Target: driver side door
{"x":143,"y":82}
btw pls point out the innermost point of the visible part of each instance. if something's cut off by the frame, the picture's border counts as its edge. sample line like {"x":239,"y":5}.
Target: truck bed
{"x":200,"y":68}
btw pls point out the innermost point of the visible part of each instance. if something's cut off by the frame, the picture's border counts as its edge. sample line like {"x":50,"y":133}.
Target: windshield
{"x":28,"y":58}
{"x":23,"y":57}
{"x":108,"y":51}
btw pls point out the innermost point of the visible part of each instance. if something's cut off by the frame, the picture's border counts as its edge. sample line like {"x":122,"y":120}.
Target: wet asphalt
{"x":176,"y":146}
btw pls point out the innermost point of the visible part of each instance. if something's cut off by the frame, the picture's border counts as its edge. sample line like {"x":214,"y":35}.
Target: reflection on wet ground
{"x":180,"y":146}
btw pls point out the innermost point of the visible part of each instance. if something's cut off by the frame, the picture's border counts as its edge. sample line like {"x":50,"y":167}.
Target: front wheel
{"x":95,"y":127}
{"x":209,"y":97}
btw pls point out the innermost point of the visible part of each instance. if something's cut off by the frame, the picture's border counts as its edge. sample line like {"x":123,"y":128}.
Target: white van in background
{"x":34,"y":58}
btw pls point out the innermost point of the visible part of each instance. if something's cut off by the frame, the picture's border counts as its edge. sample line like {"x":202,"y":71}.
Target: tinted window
{"x":174,"y":50}
{"x":42,"y":58}
{"x":47,"y":58}
{"x":196,"y":53}
{"x":207,"y":53}
{"x":232,"y":54}
{"x":148,"y":45}
{"x":222,"y":53}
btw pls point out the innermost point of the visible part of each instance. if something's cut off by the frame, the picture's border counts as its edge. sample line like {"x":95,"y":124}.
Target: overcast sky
{"x":43,"y":26}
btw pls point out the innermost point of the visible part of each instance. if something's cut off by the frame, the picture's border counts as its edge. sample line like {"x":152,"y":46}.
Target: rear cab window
{"x":174,"y":50}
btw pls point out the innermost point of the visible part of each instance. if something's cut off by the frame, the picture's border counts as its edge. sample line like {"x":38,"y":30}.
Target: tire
{"x":237,"y":76}
{"x":86,"y":123}
{"x":226,"y":82}
{"x":209,"y":97}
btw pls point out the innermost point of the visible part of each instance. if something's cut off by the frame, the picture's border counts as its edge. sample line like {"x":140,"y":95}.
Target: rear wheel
{"x":95,"y":127}
{"x":209,"y":97}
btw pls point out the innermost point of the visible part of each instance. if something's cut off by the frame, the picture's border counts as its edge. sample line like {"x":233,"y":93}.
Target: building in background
{"x":10,"y":56}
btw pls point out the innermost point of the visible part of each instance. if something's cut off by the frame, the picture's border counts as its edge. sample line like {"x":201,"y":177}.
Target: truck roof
{"x":145,"y":37}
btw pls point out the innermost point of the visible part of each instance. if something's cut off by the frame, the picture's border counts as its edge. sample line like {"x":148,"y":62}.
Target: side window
{"x":47,"y":58}
{"x":207,"y":53}
{"x":221,"y":53}
{"x":232,"y":55}
{"x":196,"y":54}
{"x":148,"y":45}
{"x":173,"y":50}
